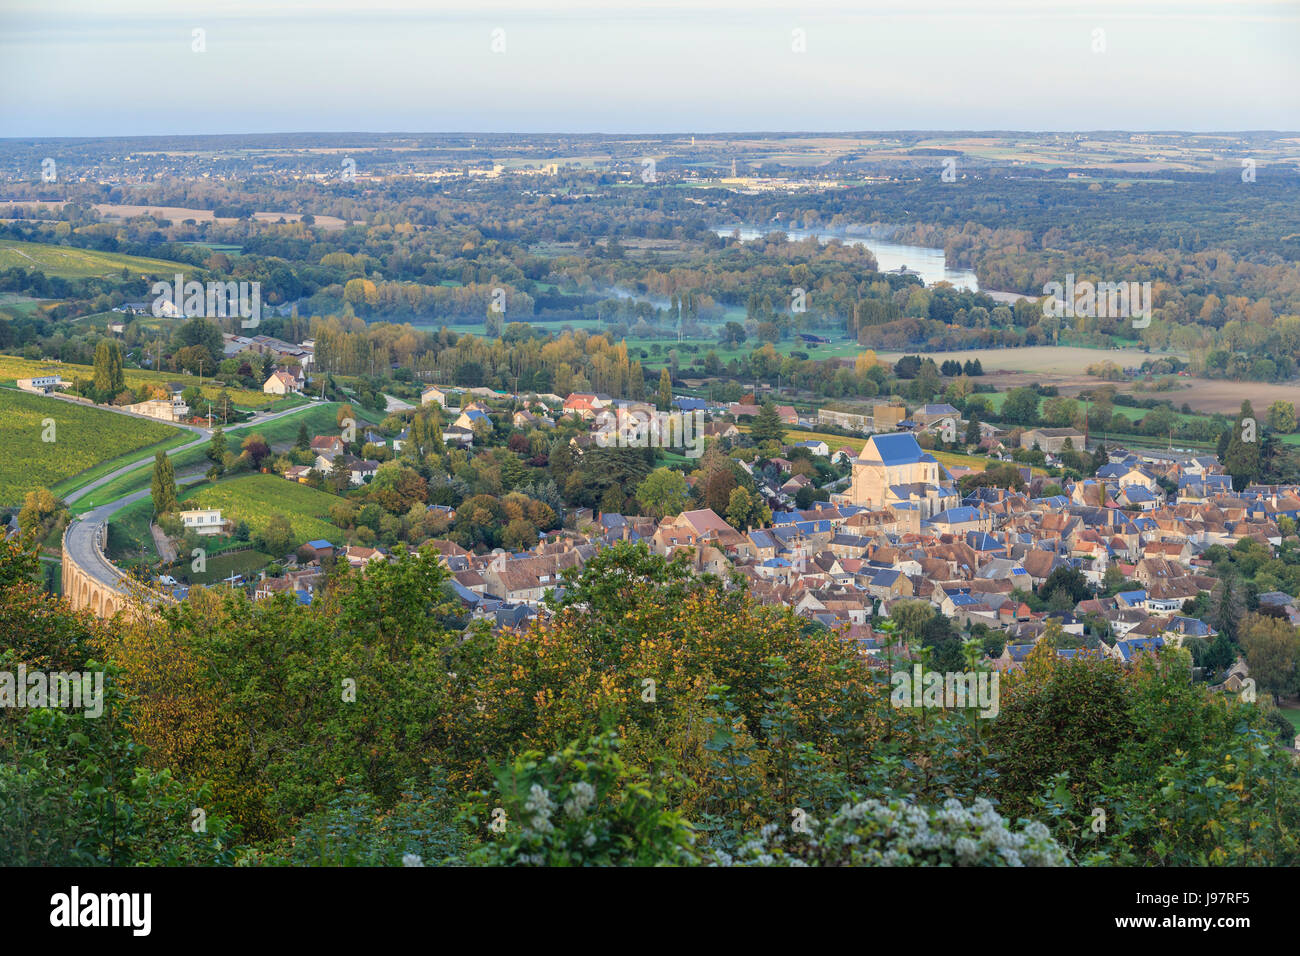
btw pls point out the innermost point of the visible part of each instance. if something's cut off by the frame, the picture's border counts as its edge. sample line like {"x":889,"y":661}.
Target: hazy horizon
{"x":76,"y":68}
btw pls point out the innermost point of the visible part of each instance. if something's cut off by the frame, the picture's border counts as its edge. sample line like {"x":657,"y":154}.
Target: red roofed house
{"x":586,"y":405}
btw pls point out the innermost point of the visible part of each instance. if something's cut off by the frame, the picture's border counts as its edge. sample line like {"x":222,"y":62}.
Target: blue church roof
{"x":897,"y":449}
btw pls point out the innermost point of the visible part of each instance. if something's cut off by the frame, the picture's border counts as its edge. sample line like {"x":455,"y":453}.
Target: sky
{"x":138,"y":67}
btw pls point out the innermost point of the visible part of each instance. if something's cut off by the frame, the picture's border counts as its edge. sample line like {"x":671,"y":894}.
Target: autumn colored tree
{"x":256,"y":449}
{"x":665,"y":390}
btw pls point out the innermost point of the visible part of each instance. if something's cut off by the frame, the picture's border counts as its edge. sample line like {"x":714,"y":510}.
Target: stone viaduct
{"x":90,"y":581}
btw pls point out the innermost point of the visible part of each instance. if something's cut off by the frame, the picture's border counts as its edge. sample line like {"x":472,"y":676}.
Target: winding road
{"x":83,"y":541}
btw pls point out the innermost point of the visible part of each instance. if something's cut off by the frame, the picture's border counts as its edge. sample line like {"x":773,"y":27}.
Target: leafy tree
{"x":1059,"y":719}
{"x":163,"y":485}
{"x":40,"y":514}
{"x":1227,"y":604}
{"x":194,"y":359}
{"x":1069,"y":580}
{"x":1004,"y":475}
{"x":912,"y":617}
{"x":277,"y":538}
{"x":217,"y":445}
{"x":1282,"y":417}
{"x":1241,"y":459}
{"x":665,"y":390}
{"x":76,"y":787}
{"x":109,"y":379}
{"x":256,"y":449}
{"x":199,"y":333}
{"x":1060,"y":412}
{"x":1020,"y":407}
{"x":745,"y":510}
{"x":1272,"y":651}
{"x":519,"y":535}
{"x":664,"y":492}
{"x":907,"y":366}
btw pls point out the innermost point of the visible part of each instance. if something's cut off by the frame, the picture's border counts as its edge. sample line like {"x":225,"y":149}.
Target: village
{"x":895,"y":529}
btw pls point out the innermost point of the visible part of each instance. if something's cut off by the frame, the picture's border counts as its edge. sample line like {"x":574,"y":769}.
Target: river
{"x":929,"y":264}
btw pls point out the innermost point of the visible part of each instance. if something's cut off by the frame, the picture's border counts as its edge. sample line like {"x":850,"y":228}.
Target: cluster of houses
{"x":328,"y":449}
{"x":471,"y":408}
{"x":298,"y":579}
{"x":302,"y":355}
{"x":900,"y":529}
{"x":843,"y":563}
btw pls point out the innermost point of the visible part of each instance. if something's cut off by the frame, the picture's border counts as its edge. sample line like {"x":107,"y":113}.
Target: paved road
{"x":83,"y":533}
{"x":81,"y":542}
{"x":204,"y":436}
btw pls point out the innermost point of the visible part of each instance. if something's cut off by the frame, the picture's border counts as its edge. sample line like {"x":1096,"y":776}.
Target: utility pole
{"x":209,"y":415}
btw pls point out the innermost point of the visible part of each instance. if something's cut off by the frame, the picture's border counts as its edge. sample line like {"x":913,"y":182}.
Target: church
{"x":893,"y":471}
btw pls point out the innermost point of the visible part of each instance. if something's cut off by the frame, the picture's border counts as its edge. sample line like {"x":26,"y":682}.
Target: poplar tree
{"x":163,"y":486}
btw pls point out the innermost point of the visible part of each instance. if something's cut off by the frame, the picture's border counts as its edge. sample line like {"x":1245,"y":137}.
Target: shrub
{"x":583,"y":807}
{"x":898,"y":833}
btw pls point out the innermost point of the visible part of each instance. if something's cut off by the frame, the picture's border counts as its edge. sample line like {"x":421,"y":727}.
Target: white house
{"x":171,"y":409}
{"x":41,"y":384}
{"x":203,"y":520}
{"x":280,"y":383}
{"x":814,"y":447}
{"x":437,"y":394}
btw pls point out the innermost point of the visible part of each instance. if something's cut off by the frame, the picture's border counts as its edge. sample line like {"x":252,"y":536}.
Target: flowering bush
{"x":897,"y":833}
{"x":580,"y":807}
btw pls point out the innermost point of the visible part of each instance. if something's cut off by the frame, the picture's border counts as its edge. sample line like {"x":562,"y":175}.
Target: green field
{"x":129,"y":540}
{"x":21,"y":304}
{"x":14,"y":367}
{"x":1292,"y":713}
{"x":320,"y":421}
{"x":71,"y":263}
{"x":221,"y":566}
{"x":255,"y":498}
{"x":84,"y":437}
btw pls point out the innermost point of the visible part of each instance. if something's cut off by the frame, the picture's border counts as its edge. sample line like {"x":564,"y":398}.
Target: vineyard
{"x":13,"y":367}
{"x":69,"y":262}
{"x":255,"y":498}
{"x":83,"y":436}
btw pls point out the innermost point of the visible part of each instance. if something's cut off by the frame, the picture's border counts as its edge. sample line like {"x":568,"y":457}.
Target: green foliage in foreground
{"x":372,"y":729}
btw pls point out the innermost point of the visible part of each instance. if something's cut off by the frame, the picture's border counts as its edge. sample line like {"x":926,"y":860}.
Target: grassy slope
{"x":320,"y":421}
{"x":13,"y":366}
{"x":84,"y":438}
{"x":72,"y":263}
{"x":255,"y":498}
